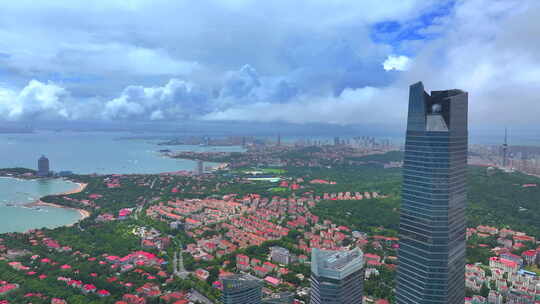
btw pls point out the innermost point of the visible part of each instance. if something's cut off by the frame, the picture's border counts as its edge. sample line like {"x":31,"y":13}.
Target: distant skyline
{"x":340,"y":62}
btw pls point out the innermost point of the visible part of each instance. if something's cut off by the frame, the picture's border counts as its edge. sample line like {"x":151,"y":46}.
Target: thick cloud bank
{"x":266,"y":61}
{"x":36,"y":100}
{"x":176,"y":99}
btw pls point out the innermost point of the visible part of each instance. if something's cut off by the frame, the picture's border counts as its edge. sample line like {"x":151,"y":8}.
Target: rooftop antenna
{"x":505,"y":148}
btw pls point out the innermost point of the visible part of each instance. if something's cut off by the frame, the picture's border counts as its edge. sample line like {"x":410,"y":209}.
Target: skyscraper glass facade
{"x":336,"y":276}
{"x":432,"y":224}
{"x":241,"y":289}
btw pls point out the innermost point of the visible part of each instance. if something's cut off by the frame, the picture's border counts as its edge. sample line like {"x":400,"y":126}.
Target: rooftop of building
{"x":280,"y":250}
{"x":336,"y":264}
{"x":240,"y":281}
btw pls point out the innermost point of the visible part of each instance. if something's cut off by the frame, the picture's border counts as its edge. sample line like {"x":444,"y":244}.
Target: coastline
{"x":83,"y":213}
{"x":80,"y":188}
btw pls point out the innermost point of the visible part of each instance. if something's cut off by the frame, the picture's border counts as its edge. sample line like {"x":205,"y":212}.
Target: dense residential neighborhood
{"x":174,"y":238}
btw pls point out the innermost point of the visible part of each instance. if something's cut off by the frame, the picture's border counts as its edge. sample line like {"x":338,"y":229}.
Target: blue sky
{"x":339,"y":62}
{"x":394,"y":33}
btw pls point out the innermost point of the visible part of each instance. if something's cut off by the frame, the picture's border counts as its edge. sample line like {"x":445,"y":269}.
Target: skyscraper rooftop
{"x":241,"y":289}
{"x":336,"y":264}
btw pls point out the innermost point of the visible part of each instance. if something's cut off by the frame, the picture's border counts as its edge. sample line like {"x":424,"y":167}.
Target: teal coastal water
{"x":80,"y":152}
{"x":91,"y":152}
{"x":15,"y":193}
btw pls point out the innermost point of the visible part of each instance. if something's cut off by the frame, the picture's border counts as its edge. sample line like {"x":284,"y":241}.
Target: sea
{"x":15,"y":193}
{"x":81,"y":153}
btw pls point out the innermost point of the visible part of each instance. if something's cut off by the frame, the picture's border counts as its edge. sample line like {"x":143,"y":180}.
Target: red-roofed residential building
{"x":372,"y":257}
{"x":88,"y":288}
{"x":242,"y":265}
{"x":75,"y":283}
{"x":133,"y":299}
{"x":242,"y":258}
{"x":529,"y":256}
{"x":272,"y":281}
{"x":6,"y":288}
{"x":506,"y":232}
{"x":504,"y":264}
{"x":487,"y":229}
{"x":124,"y":213}
{"x":269,"y":266}
{"x":149,"y":290}
{"x":174,"y":296}
{"x":373,"y":263}
{"x":103,"y":293}
{"x":512,"y":257}
{"x":260,"y":271}
{"x":523,"y":238}
{"x":255,"y":262}
{"x":202,"y":274}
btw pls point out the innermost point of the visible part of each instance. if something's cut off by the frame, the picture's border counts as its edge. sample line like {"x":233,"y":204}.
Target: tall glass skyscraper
{"x":337,"y":276}
{"x":431,"y":265}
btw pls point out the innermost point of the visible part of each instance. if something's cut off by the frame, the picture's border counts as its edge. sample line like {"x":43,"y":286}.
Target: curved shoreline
{"x":80,"y":188}
{"x":83,"y":213}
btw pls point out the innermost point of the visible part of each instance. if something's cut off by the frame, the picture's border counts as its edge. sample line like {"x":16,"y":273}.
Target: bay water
{"x":81,"y":153}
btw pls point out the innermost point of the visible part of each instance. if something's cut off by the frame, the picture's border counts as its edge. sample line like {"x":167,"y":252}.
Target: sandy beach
{"x":84,"y":214}
{"x":80,"y":188}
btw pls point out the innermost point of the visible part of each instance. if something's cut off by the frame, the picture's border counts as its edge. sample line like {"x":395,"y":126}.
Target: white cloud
{"x":352,"y":106}
{"x":35,"y":100}
{"x":123,"y":42}
{"x":486,"y":50}
{"x":176,"y":99}
{"x":398,"y":63}
{"x":299,"y":70}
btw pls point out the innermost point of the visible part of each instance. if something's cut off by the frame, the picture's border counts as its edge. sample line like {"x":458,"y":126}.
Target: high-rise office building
{"x":241,"y":289}
{"x":337,"y":276}
{"x":281,"y":298}
{"x":200,"y":167}
{"x":431,"y":254}
{"x":43,"y":166}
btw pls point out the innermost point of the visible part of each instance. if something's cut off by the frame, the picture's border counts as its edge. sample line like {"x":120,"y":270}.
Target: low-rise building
{"x":504,"y":264}
{"x":494,"y":297}
{"x":529,"y":256}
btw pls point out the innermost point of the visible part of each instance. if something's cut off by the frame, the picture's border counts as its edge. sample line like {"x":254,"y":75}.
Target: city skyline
{"x":270,"y":152}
